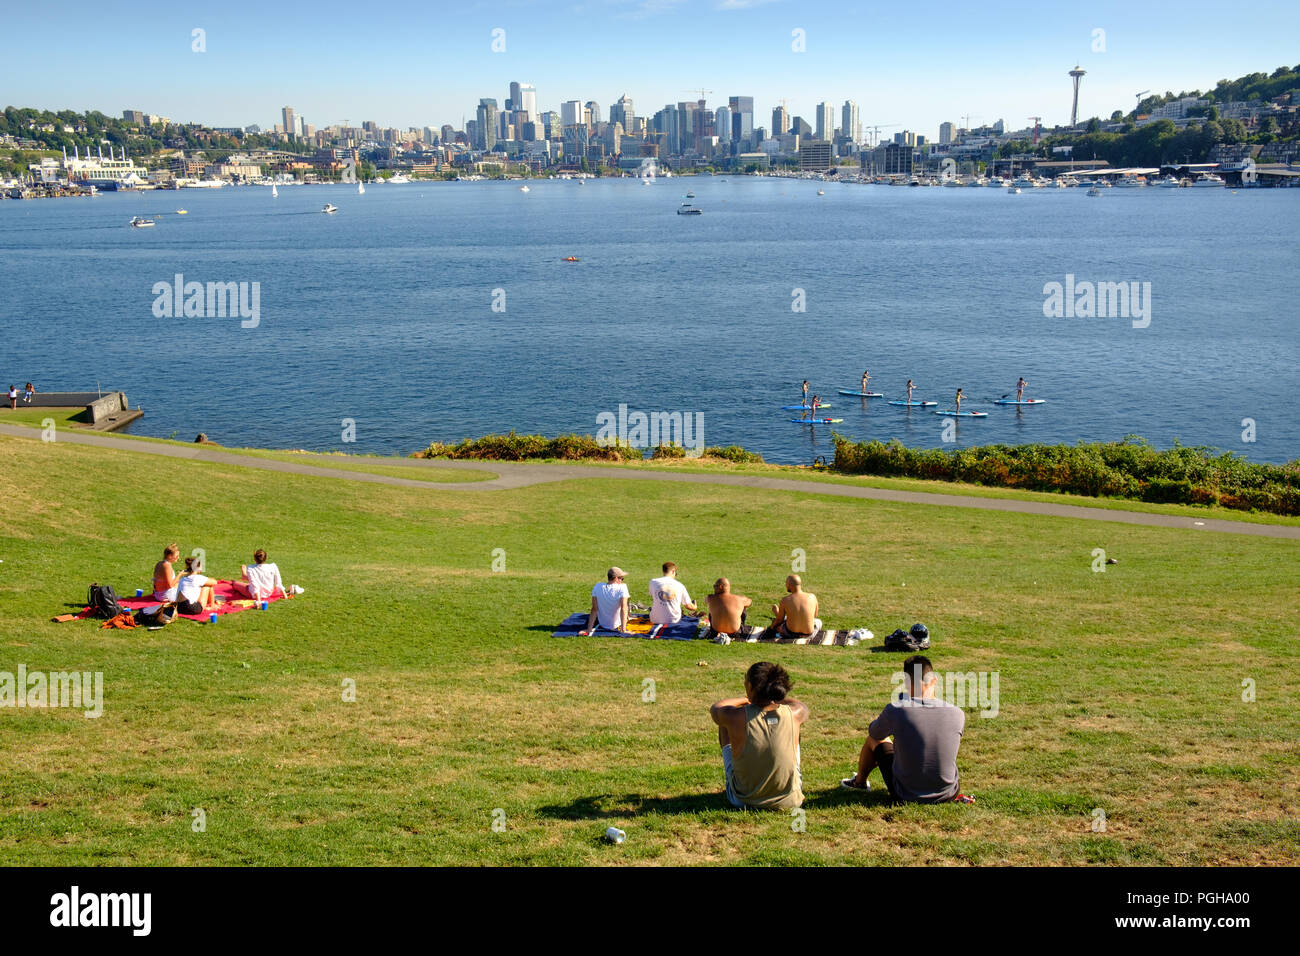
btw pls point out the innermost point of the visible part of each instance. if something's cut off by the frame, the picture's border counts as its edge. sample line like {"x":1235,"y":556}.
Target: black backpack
{"x":103,"y":602}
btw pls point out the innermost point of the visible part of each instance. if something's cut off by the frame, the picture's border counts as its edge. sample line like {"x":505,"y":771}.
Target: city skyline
{"x":405,"y":67}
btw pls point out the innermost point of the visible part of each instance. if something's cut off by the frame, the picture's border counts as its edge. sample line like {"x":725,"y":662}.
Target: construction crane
{"x":966,"y":121}
{"x":876,"y":128}
{"x":1037,"y":120}
{"x":1139,"y":102}
{"x":700,"y":91}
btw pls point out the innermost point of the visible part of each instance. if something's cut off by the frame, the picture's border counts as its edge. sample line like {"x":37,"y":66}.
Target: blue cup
{"x":263,"y":606}
{"x":139,"y":592}
{"x":212,"y":618}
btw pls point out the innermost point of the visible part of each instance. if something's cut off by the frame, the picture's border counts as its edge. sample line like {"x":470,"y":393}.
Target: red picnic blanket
{"x":227,"y":603}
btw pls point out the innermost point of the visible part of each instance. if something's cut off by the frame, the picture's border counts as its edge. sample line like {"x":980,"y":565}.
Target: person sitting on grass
{"x":260,"y":581}
{"x":726,"y":610}
{"x":164,"y":575}
{"x":608,"y":603}
{"x":669,"y":596}
{"x":759,"y":736}
{"x":194,"y":591}
{"x":920,"y":765}
{"x":796,"y":616}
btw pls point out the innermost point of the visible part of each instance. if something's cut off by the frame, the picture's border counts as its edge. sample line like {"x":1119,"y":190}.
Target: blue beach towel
{"x":687,"y":629}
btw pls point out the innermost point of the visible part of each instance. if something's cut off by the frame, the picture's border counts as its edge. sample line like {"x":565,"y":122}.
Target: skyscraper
{"x":486,"y":116}
{"x":742,"y":117}
{"x":526,"y":100}
{"x":945,"y":134}
{"x":287,"y":115}
{"x":571,"y":113}
{"x":780,"y":121}
{"x":623,"y":112}
{"x":722,"y":123}
{"x":512,"y":103}
{"x":850,"y":122}
{"x":825,"y":122}
{"x":592,"y":109}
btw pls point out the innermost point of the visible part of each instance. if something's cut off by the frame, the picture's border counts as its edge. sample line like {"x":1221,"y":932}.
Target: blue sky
{"x":414,"y":64}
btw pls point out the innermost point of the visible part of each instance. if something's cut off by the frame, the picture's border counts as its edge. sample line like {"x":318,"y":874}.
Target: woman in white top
{"x":261,"y":580}
{"x":194,"y":593}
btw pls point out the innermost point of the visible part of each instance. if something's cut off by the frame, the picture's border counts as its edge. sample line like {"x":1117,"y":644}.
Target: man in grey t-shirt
{"x":920,"y":766}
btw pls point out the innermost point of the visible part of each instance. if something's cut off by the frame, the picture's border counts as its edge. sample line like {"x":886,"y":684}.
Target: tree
{"x":1094,"y":125}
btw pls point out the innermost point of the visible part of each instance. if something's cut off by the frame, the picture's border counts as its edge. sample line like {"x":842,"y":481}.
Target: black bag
{"x":103,"y":602}
{"x":902,"y":640}
{"x":159,"y":617}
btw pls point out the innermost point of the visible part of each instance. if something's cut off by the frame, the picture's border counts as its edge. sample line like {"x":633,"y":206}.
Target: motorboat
{"x":330,"y":208}
{"x":1209,"y":179}
{"x":686,"y":209}
{"x":140,"y":223}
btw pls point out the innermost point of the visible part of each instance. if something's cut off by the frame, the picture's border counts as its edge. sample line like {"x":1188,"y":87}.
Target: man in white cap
{"x":609,"y":603}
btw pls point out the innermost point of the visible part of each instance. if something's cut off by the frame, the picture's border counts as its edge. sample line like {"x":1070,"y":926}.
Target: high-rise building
{"x":851,"y":122}
{"x":825,"y":122}
{"x":486,"y":114}
{"x":799,"y":126}
{"x":722,"y":124}
{"x":780,"y":121}
{"x":447,"y":133}
{"x":742,"y":118}
{"x":945,"y":133}
{"x":623,"y":112}
{"x":526,"y":100}
{"x":512,"y":101}
{"x":289,"y":128}
{"x":552,"y":125}
{"x":571,"y":113}
{"x":592,"y":109}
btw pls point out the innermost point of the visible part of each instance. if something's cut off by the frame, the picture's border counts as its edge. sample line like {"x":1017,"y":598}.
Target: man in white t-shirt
{"x":609,"y":603}
{"x":669,"y":596}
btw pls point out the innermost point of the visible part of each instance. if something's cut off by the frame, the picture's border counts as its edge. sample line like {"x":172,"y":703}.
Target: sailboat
{"x":361,"y":189}
{"x":274,"y":192}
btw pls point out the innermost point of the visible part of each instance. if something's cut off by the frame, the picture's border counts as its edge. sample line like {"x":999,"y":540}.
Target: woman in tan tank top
{"x":759,"y":736}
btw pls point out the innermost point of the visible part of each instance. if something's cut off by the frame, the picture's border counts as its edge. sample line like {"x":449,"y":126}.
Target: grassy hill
{"x":1119,"y":690}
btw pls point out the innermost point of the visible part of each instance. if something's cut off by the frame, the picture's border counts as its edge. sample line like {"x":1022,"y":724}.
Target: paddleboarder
{"x":1020,"y":390}
{"x":910,"y":386}
{"x":804,"y":400}
{"x":866,"y":377}
{"x":958,"y":400}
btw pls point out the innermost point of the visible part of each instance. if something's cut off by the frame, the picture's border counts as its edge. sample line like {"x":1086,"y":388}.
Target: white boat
{"x":1168,"y":182}
{"x":361,"y":189}
{"x":1066,"y":181}
{"x":1014,"y":191}
{"x":330,"y":208}
{"x":1209,"y":179}
{"x":997,"y":182}
{"x":524,"y":189}
{"x":398,"y":178}
{"x":140,"y":223}
{"x":821,"y":192}
{"x":686,"y":209}
{"x":1131,"y":182}
{"x":274,"y":192}
{"x":1094,"y":191}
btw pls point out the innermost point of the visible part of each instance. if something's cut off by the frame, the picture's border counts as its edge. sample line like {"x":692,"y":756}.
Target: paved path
{"x":520,"y":475}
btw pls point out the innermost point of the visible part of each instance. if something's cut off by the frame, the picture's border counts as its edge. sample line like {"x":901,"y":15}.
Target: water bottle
{"x":615,"y":835}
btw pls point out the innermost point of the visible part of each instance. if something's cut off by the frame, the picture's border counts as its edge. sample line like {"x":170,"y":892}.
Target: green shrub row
{"x":1126,"y":469}
{"x":513,"y":447}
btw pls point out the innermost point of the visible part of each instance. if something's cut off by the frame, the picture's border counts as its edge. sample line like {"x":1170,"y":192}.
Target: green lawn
{"x":1119,"y":690}
{"x":35,"y":416}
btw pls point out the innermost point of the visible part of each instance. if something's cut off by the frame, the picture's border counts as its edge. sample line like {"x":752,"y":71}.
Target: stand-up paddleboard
{"x":1012,"y":401}
{"x":815,"y":421}
{"x":961,"y":414}
{"x":845,"y":391}
{"x":802,"y":408}
{"x":899,"y":401}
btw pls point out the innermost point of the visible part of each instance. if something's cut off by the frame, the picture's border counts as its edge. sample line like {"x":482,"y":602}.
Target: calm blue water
{"x":382,"y":313}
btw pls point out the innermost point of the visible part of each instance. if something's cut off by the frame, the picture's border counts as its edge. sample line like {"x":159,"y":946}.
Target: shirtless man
{"x":726,"y":610}
{"x":796,"y":615}
{"x":804,"y":400}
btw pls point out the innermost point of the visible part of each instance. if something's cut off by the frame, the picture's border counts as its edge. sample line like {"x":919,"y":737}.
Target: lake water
{"x":383,"y":313}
